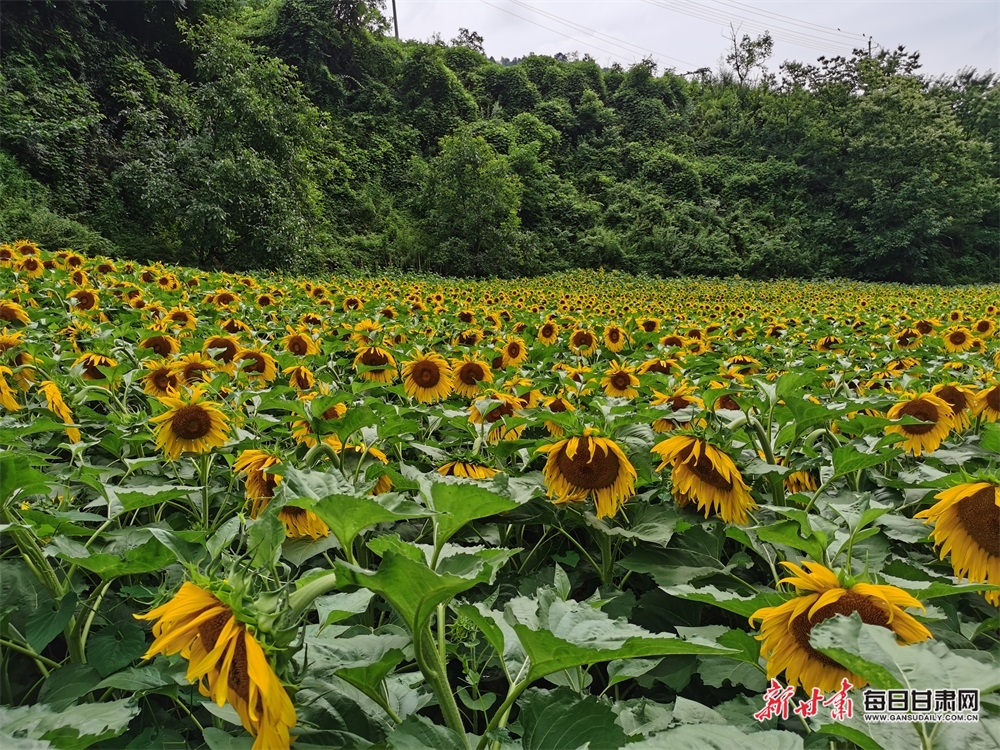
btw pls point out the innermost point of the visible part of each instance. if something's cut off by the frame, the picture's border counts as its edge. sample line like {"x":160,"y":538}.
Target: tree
{"x":467,"y":211}
{"x":746,"y":54}
{"x":470,"y":39}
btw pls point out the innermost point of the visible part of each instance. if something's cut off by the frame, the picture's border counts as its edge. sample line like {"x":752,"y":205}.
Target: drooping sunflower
{"x":922,"y":438}
{"x":988,"y":404}
{"x":966,"y":522}
{"x":492,"y":409}
{"x":260,"y":485}
{"x":12,"y":312}
{"x":380,"y":366}
{"x":83,"y":299}
{"x":302,"y":429}
{"x":514,"y":353}
{"x":620,"y":381}
{"x":556,"y":405}
{"x":8,"y":400}
{"x":785,"y":629}
{"x":161,"y":380}
{"x":682,"y":398}
{"x":258,"y":364}
{"x":957,"y":339}
{"x":225,"y":660}
{"x":194,"y":368}
{"x":30,"y":266}
{"x":467,"y":470}
{"x":301,"y":378}
{"x":162,"y":345}
{"x":54,"y":403}
{"x":180,"y":318}
{"x":658,"y":366}
{"x":91,"y":362}
{"x":428,"y":377}
{"x":190,"y":425}
{"x":588,"y":465}
{"x":961,"y":399}
{"x":222,"y":349}
{"x":616,"y":338}
{"x":705,"y":475}
{"x":470,"y":375}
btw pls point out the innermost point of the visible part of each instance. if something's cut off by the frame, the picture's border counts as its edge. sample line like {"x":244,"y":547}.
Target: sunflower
{"x":8,"y":400}
{"x":960,"y":398}
{"x":380,"y":367}
{"x":162,"y":345}
{"x":984,"y":327}
{"x":161,"y":380}
{"x":743,"y":365}
{"x":299,"y":343}
{"x":83,"y":299}
{"x":179,"y":318}
{"x":588,"y":465}
{"x":190,"y":425}
{"x":682,"y":398}
{"x":514,"y":353}
{"x":556,"y":405}
{"x":469,"y":337}
{"x":260,"y":484}
{"x":957,"y":339}
{"x":222,"y":349}
{"x":11,"y":312}
{"x":785,"y":629}
{"x":225,"y":660}
{"x":91,"y":363}
{"x":299,"y":377}
{"x":427,"y":378}
{"x":620,"y":382}
{"x":988,"y":404}
{"x":30,"y":266}
{"x":470,"y":375}
{"x":648,"y":325}
{"x":548,"y":333}
{"x":493,"y":409}
{"x":54,"y":403}
{"x":922,"y":438}
{"x":466,"y":470}
{"x":257,"y":364}
{"x":658,"y":367}
{"x":829,"y":344}
{"x":706,"y":475}
{"x":302,"y":430}
{"x":615,"y":338}
{"x":582,"y":342}
{"x":233,"y":326}
{"x":966,"y":522}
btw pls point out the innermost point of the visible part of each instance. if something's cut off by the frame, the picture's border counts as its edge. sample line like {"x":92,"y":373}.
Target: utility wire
{"x":793,"y":21}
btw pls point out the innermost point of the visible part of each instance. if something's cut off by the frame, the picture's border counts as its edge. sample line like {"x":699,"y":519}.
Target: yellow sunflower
{"x":260,"y":484}
{"x":222,"y":349}
{"x":658,"y":366}
{"x":588,"y":465}
{"x":161,"y":380}
{"x":548,"y":333}
{"x":470,"y":373}
{"x":493,"y":409}
{"x":620,"y":382}
{"x":616,"y":338}
{"x":785,"y":629}
{"x":707,"y":476}
{"x":514,"y":353}
{"x":966,"y":522}
{"x":988,"y":404}
{"x":190,"y":425}
{"x":922,"y":438}
{"x":30,"y":266}
{"x":466,"y":470}
{"x":162,"y":345}
{"x":258,"y":364}
{"x":299,"y":343}
{"x":428,"y":377}
{"x":984,"y":327}
{"x":54,"y":403}
{"x":957,"y":339}
{"x":91,"y":362}
{"x":299,"y":377}
{"x":302,"y":429}
{"x":225,"y":660}
{"x":960,"y":398}
{"x":194,"y":368}
{"x":682,"y":398}
{"x":83,"y":299}
{"x":582,"y":342}
{"x":180,"y":318}
{"x":8,"y":400}
{"x":556,"y":405}
{"x":380,"y":365}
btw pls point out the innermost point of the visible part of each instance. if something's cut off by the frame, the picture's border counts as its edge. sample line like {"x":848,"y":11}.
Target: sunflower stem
{"x":300,"y":599}
{"x":434,"y":669}
{"x":777,"y":488}
{"x":42,"y":662}
{"x":580,"y":548}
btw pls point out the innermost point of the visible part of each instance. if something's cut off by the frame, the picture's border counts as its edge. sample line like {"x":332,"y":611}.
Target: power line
{"x":794,"y":21}
{"x":615,"y":41}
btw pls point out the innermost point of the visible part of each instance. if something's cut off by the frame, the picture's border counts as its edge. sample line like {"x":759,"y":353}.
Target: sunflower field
{"x":586,"y":510}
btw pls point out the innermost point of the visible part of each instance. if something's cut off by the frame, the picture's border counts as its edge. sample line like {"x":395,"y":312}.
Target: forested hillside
{"x":299,"y":135}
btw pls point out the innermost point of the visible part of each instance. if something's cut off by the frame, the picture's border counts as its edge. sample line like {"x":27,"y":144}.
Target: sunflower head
{"x":966,"y":522}
{"x":375,"y":364}
{"x":190,"y":425}
{"x":620,"y":382}
{"x":470,"y":373}
{"x":785,"y":629}
{"x":933,"y":411}
{"x":588,"y":465}
{"x":427,"y":377}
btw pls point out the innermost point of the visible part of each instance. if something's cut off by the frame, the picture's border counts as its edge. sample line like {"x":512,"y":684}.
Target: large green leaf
{"x":651,"y":523}
{"x":146,"y":558}
{"x":873,"y":652}
{"x":18,"y":476}
{"x":557,"y":635}
{"x":74,"y":728}
{"x":46,"y":623}
{"x":718,"y":737}
{"x":728,"y":600}
{"x":406,"y":581}
{"x":847,"y":458}
{"x":363,"y":660}
{"x":419,"y":733}
{"x":349,"y":515}
{"x":562,"y":720}
{"x":459,"y":502}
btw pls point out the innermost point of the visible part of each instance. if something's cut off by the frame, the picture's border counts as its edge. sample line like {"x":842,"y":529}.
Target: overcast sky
{"x":689,"y":34}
